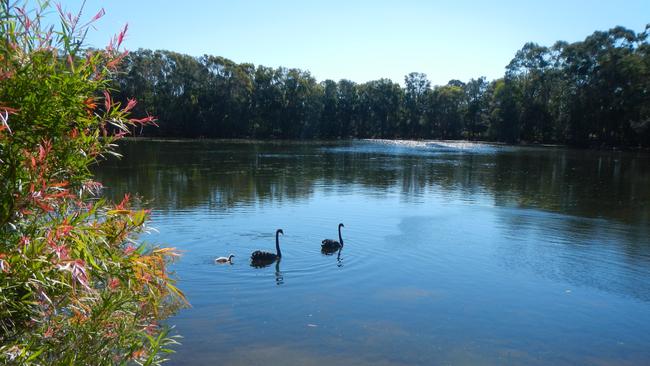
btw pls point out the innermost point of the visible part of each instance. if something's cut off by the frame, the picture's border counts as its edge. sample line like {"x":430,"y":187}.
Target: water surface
{"x":455,"y":253}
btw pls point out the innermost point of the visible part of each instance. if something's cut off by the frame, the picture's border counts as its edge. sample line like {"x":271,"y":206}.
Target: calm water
{"x":455,"y":254}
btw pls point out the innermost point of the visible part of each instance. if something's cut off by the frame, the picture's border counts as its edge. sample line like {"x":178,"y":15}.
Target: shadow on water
{"x":279,"y":277}
{"x":222,"y":176}
{"x":330,"y":252}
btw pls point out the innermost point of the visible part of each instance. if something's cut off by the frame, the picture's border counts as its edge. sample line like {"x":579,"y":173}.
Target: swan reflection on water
{"x":279,"y":278}
{"x":339,"y":260}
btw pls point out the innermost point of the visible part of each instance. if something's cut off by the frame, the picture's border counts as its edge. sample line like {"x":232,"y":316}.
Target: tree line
{"x":590,"y":93}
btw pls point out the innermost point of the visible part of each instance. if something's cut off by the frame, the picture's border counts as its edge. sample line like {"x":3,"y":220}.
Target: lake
{"x":455,"y":253}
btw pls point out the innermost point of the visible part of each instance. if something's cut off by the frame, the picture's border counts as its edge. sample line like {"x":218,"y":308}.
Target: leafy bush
{"x":76,"y":287}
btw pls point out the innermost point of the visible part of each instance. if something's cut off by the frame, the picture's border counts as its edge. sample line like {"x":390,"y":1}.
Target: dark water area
{"x":455,"y":253}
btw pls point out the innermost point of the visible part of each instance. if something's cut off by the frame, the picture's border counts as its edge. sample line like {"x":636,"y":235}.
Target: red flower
{"x":138,"y":354}
{"x":113,"y":283}
{"x":90,"y":104}
{"x":6,"y":75}
{"x":61,"y":251}
{"x":44,"y":149}
{"x":112,"y":64}
{"x":131,"y":103}
{"x":77,"y":269}
{"x":120,"y":134}
{"x":151,"y":328}
{"x":107,"y":100}
{"x":99,"y":14}
{"x":148,"y":120}
{"x":24,"y":241}
{"x":124,"y":203}
{"x":129,"y":249}
{"x":120,"y":37}
{"x":63,"y":230}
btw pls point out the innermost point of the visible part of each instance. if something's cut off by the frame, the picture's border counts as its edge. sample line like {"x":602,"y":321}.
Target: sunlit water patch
{"x":419,"y":147}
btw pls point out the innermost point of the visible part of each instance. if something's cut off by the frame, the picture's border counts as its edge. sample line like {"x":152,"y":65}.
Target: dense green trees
{"x":590,"y":93}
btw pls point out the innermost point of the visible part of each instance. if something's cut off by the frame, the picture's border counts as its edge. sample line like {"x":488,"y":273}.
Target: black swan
{"x":330,"y":246}
{"x":261,"y":259}
{"x":224,"y":259}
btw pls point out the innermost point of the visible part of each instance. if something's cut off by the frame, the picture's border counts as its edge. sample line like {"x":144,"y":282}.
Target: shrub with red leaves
{"x":76,"y":287}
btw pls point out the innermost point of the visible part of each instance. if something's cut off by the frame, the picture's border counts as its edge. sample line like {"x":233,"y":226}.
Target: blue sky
{"x":362,"y":40}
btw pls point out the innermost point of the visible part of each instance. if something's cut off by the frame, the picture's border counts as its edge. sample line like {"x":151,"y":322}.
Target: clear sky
{"x":362,"y":40}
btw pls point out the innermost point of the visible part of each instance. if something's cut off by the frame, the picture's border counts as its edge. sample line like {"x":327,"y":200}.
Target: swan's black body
{"x":330,"y":246}
{"x":262,"y":259}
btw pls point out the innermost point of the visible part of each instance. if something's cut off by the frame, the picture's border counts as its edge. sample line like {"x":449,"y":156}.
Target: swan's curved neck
{"x":277,"y":244}
{"x":340,"y":237}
